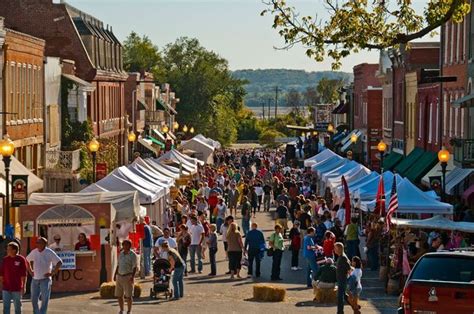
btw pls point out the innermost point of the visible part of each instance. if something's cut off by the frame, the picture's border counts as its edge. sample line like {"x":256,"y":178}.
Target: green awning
{"x":391,"y":160}
{"x":408,"y":161}
{"x":160,"y":105}
{"x":155,"y":141}
{"x":421,"y":166}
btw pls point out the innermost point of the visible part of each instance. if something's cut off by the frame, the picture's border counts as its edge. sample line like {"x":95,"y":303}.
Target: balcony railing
{"x":463,"y":150}
{"x":154,"y":117}
{"x":63,"y":160}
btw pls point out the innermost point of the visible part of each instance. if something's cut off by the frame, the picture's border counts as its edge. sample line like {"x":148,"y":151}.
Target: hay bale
{"x":268,"y":293}
{"x":107,"y":290}
{"x":325,"y":295}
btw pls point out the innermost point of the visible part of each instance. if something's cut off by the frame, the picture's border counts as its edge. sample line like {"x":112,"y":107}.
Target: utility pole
{"x":276,"y":101}
{"x":269,"y":107}
{"x":263,"y":110}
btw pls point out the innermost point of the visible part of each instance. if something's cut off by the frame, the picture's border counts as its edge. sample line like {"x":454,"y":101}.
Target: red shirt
{"x":328,"y":247}
{"x":13,"y":268}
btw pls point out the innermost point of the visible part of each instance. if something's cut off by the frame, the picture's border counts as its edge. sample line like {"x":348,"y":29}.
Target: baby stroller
{"x":161,"y":278}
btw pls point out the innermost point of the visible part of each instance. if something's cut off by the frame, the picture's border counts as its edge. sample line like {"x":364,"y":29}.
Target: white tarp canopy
{"x":126,"y":204}
{"x":436,"y":222}
{"x":368,"y":192}
{"x":350,"y":176}
{"x":412,"y":200}
{"x":158,"y":167}
{"x":203,"y":151}
{"x":170,"y":158}
{"x":325,"y":154}
{"x":16,"y":167}
{"x":331,"y":164}
{"x":356,"y":183}
{"x":148,"y":184}
{"x":150,"y":174}
{"x":114,"y":182}
{"x":192,"y":160}
{"x":339,"y":171}
{"x":209,"y":141}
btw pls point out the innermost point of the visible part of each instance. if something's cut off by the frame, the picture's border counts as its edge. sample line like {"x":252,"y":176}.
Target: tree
{"x":293,"y":99}
{"x":269,"y":136}
{"x":328,"y":90}
{"x":362,"y":24}
{"x":209,"y":96}
{"x":140,"y":54}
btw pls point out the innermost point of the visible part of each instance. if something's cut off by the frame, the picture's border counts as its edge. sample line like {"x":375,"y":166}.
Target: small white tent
{"x":203,"y":151}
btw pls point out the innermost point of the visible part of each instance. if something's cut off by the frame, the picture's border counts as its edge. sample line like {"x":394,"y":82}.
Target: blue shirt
{"x":254,"y":239}
{"x":148,"y":239}
{"x":308,"y":241}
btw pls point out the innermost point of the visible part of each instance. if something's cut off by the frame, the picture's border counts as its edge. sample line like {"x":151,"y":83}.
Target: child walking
{"x":354,"y":284}
{"x":212,"y":244}
{"x":295,"y":237}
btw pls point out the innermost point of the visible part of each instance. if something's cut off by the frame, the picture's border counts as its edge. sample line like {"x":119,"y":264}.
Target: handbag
{"x":270,"y":251}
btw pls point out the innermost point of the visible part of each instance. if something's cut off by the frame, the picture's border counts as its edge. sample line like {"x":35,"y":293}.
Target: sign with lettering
{"x":19,"y":190}
{"x":69,"y":260}
{"x":100,"y":170}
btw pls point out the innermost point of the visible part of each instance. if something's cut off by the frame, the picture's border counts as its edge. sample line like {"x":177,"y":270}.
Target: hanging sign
{"x":28,"y":228}
{"x":100,"y":170}
{"x":68,"y":258}
{"x":19,"y":190}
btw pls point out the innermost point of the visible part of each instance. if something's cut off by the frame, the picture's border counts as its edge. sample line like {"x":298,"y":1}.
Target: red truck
{"x":439,"y":283}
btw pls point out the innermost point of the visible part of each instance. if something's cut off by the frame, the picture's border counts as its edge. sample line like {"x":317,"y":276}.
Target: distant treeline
{"x":261,"y":83}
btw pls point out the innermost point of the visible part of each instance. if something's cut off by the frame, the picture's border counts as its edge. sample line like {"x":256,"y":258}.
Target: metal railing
{"x":463,"y":150}
{"x":63,"y":160}
{"x":154,"y":116}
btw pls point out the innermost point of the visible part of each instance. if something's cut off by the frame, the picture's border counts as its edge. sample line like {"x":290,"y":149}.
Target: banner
{"x":19,"y":190}
{"x":435,"y":182}
{"x":68,"y":258}
{"x":100,"y":170}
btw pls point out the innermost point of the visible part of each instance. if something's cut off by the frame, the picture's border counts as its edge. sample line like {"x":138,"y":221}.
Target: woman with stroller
{"x":184,"y":241}
{"x":177,"y":268}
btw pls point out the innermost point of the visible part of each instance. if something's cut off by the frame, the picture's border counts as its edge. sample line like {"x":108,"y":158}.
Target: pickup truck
{"x":440,"y":282}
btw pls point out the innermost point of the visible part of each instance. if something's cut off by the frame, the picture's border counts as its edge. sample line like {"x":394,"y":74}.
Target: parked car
{"x":440,"y":282}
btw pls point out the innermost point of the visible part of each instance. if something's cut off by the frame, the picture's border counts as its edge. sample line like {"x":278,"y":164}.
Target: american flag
{"x":393,"y":205}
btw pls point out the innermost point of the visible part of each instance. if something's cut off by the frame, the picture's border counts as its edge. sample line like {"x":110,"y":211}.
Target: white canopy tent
{"x":350,"y":176}
{"x":158,"y":167}
{"x":355,"y":184}
{"x":325,"y":154}
{"x":437,"y":222}
{"x":368,"y":192}
{"x":411,"y":200}
{"x":151,"y":175}
{"x":170,"y":158}
{"x":126,"y":204}
{"x":203,"y":150}
{"x":192,"y":160}
{"x":209,"y":141}
{"x":16,"y":167}
{"x":332,"y":164}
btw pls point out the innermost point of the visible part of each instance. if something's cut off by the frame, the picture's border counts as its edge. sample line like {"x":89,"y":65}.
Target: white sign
{"x":28,"y":229}
{"x":68,"y":258}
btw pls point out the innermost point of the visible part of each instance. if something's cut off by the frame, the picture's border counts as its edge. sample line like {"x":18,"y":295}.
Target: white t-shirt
{"x":171,"y":242}
{"x":259,"y":190}
{"x":43,"y":262}
{"x":196,"y":231}
{"x":224,"y":232}
{"x":56,"y":247}
{"x":357,"y":272}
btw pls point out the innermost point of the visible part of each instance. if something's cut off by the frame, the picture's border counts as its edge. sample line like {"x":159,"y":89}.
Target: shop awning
{"x":455,"y":177}
{"x":147,"y":144}
{"x":421,"y":166}
{"x":463,"y":101}
{"x":342,"y":108}
{"x":408,"y":161}
{"x":346,"y":142}
{"x":88,"y":87}
{"x":467,"y":194}
{"x":16,"y":167}
{"x":159,"y":135}
{"x":391,"y":160}
{"x":160,"y":105}
{"x":339,"y":137}
{"x":436,"y":172}
{"x":142,"y":105}
{"x":155,"y":141}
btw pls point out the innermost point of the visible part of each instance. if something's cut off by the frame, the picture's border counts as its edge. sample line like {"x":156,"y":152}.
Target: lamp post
{"x":7,"y":148}
{"x":381,"y":147}
{"x":93,"y":148}
{"x":443,"y":157}
{"x":103,"y":268}
{"x":131,"y":140}
{"x":191,"y":130}
{"x":165,"y":129}
{"x":185,"y":128}
{"x":330,"y":131}
{"x":176,"y":125}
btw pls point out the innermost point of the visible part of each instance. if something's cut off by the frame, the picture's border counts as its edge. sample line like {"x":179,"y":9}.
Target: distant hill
{"x":262,"y":83}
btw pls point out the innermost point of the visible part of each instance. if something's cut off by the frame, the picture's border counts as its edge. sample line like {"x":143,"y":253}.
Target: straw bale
{"x":268,"y":293}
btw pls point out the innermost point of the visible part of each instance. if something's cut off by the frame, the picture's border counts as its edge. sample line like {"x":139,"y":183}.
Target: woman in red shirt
{"x":328,"y":244}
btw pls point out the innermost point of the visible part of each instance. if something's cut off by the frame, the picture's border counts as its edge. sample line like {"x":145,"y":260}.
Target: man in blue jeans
{"x":197,"y":238}
{"x":147,"y":245}
{"x":343,"y":266}
{"x":309,"y":254}
{"x":254,"y":241}
{"x":44,"y":264}
{"x":13,"y":277}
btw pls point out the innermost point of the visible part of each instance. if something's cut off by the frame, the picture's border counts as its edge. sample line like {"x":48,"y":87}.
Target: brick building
{"x":23,"y":97}
{"x":72,"y":34}
{"x":367,"y":108}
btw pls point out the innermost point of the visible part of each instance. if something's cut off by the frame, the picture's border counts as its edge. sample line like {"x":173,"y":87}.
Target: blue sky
{"x":232,"y":28}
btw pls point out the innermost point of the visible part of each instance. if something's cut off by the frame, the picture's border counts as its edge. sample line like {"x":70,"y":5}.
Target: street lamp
{"x":191,"y":130}
{"x":381,"y":147}
{"x":131,"y":139}
{"x":176,"y":125}
{"x":330,"y":128}
{"x":93,"y":148}
{"x":315,"y":133}
{"x":443,"y":157}
{"x":7,"y":148}
{"x":165,"y":129}
{"x":354,"y":138}
{"x":185,"y":128}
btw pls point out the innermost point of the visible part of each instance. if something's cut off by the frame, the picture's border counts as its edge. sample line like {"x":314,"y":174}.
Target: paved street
{"x":220,"y":294}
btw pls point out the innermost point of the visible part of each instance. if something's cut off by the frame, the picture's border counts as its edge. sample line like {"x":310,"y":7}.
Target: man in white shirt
{"x":56,"y":245}
{"x":197,"y":237}
{"x":43,"y":263}
{"x":166,"y":237}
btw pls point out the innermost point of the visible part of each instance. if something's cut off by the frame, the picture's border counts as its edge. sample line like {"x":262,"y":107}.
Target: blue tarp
{"x":368,"y":192}
{"x":322,"y":156}
{"x":328,"y":161}
{"x":339,"y":171}
{"x":327,"y":167}
{"x":412,"y":200}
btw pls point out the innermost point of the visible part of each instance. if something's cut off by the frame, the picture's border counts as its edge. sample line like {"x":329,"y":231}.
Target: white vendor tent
{"x":437,"y":222}
{"x":209,"y":141}
{"x":339,"y":171}
{"x":368,"y":192}
{"x":192,"y":160}
{"x":332,"y":164}
{"x":325,"y":154}
{"x":126,"y":204}
{"x":203,"y":150}
{"x":159,"y":167}
{"x":411,"y":200}
{"x":352,"y":176}
{"x":172,"y":158}
{"x":356,"y":183}
{"x":151,"y":175}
